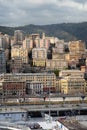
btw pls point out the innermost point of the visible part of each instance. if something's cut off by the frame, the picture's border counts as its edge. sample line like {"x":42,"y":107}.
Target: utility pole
{"x":49,"y":103}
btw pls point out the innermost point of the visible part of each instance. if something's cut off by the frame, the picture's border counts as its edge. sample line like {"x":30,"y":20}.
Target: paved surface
{"x":41,"y":107}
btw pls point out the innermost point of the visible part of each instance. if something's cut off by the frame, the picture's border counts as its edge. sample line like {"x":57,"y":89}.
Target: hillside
{"x":66,"y":31}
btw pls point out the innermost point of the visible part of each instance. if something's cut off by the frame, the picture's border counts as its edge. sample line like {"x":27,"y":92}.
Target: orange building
{"x":17,"y":88}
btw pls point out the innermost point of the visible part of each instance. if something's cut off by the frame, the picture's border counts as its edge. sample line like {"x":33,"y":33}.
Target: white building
{"x":34,"y":87}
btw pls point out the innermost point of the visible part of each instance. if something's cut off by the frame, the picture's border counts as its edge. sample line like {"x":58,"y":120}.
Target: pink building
{"x":28,"y":43}
{"x":42,"y":43}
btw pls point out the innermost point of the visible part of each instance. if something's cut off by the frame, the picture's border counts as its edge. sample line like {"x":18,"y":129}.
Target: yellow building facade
{"x":72,"y":86}
{"x":39,"y":56}
{"x":19,"y":51}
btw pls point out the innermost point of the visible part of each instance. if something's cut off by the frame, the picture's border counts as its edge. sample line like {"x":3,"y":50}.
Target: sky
{"x":42,"y":12}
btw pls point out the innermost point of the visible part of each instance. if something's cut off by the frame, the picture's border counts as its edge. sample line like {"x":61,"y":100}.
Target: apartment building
{"x":2,"y":61}
{"x":19,"y":51}
{"x":34,"y":37}
{"x":13,"y":88}
{"x":72,"y":82}
{"x":51,"y":39}
{"x":73,"y":73}
{"x":56,"y":64}
{"x":58,"y":60}
{"x":48,"y":80}
{"x":39,"y":56}
{"x":16,"y":65}
{"x":34,"y":87}
{"x":59,"y":47}
{"x":28,"y":43}
{"x":42,"y":43}
{"x":72,"y":85}
{"x":2,"y":42}
{"x":18,"y":36}
{"x":76,"y":48}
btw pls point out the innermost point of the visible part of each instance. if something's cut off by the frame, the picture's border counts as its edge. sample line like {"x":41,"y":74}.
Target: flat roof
{"x":72,"y":124}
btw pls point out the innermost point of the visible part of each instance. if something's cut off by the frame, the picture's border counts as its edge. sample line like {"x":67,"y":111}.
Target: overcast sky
{"x":42,"y":12}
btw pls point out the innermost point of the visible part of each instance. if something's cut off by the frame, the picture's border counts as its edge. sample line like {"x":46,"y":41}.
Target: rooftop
{"x":72,"y":124}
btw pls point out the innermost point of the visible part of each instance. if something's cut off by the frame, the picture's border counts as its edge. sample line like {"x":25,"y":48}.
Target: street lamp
{"x":83,"y":97}
{"x":63,"y":100}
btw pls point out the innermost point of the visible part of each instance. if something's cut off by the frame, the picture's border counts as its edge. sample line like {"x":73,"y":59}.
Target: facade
{"x":2,"y":42}
{"x":58,"y":60}
{"x":12,"y":114}
{"x":59,"y":47}
{"x":36,"y":42}
{"x":7,"y":40}
{"x":85,"y":86}
{"x":13,"y":88}
{"x":16,"y":65}
{"x":1,"y":88}
{"x":63,"y":86}
{"x":72,"y":82}
{"x":19,"y":51}
{"x":42,"y":43}
{"x":28,"y":43}
{"x":74,"y":56}
{"x":34,"y":87}
{"x":58,"y":56}
{"x":73,"y":73}
{"x":35,"y":36}
{"x":51,"y":39}
{"x":2,"y":61}
{"x":72,"y":86}
{"x":39,"y":53}
{"x":15,"y":50}
{"x":7,"y":54}
{"x":47,"y":79}
{"x":18,"y":36}
{"x":39,"y":56}
{"x":76,"y":48}
{"x":56,"y":64}
{"x":39,"y":62}
{"x":58,"y":86}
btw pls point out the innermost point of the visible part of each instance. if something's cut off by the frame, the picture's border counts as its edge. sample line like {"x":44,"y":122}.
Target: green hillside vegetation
{"x":66,"y":31}
{"x":7,"y":30}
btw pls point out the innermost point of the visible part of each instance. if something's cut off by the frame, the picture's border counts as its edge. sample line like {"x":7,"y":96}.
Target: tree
{"x":56,"y":71}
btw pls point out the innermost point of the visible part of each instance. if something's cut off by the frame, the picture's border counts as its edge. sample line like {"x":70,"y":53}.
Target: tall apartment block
{"x":19,"y":51}
{"x":42,"y":43}
{"x":2,"y":61}
{"x":19,"y":36}
{"x":2,"y":42}
{"x":58,"y":60}
{"x":28,"y":43}
{"x":39,"y":56}
{"x":19,"y":56}
{"x":77,"y":48}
